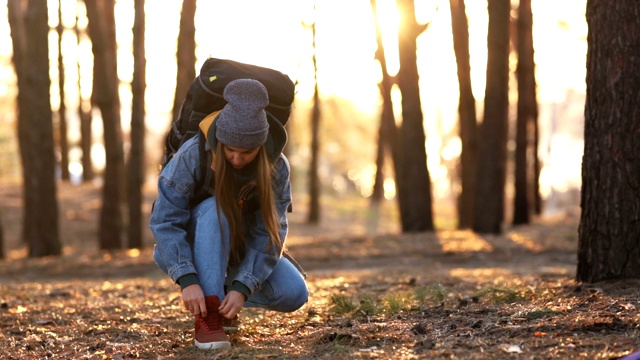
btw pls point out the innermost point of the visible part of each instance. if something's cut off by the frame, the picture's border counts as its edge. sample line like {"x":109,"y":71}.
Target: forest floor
{"x":375,"y":294}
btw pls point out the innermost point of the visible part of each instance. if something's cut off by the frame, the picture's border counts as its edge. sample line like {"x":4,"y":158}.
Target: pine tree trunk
{"x":314,"y":181}
{"x":526,"y":122}
{"x":84,"y":113}
{"x":490,"y":193}
{"x":105,"y":96}
{"x":44,"y":237}
{"x":2,"y":256}
{"x":414,"y":183}
{"x":609,"y":231}
{"x":467,"y":114}
{"x":19,"y":41}
{"x":62,"y":111}
{"x":136,"y":157}
{"x":387,"y":144}
{"x":186,"y":54}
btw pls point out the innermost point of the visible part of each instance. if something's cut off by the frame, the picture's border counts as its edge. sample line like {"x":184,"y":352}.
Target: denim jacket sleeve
{"x":171,"y":213}
{"x":260,"y":259}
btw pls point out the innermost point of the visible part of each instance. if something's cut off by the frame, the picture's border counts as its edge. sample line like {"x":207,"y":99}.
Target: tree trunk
{"x":414,"y":183}
{"x":314,"y":181}
{"x":136,"y":157}
{"x":609,"y":231}
{"x":537,"y":196}
{"x":62,"y":110}
{"x":19,"y":41}
{"x":86,"y":140}
{"x":489,"y":204}
{"x":2,"y":256}
{"x":41,"y":206}
{"x":105,"y":96}
{"x":467,"y":114}
{"x":186,"y":54}
{"x":387,"y":134}
{"x":84,"y":113}
{"x":377,"y":192}
{"x":526,"y":122}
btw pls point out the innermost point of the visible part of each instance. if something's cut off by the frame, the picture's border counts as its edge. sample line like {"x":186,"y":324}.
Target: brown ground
{"x":374,"y":294}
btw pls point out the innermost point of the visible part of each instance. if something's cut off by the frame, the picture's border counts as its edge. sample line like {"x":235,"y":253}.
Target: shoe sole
{"x":213,"y":345}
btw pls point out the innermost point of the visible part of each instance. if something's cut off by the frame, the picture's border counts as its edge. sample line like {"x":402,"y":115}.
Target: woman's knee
{"x":205,"y":208}
{"x":303,"y":296}
{"x":297,"y":296}
{"x":206,"y":214}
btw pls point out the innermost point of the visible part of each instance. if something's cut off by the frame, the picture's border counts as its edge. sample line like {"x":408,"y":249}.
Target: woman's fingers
{"x":193,"y":299}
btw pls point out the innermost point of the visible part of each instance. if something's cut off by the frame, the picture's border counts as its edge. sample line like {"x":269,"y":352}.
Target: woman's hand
{"x":193,"y":300}
{"x":232,"y":304}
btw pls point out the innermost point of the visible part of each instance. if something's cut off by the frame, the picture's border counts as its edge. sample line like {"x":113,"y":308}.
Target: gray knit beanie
{"x":243,"y":122}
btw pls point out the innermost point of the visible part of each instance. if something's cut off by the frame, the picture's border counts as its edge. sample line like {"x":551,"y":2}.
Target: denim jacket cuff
{"x":186,"y":280}
{"x":241,"y":288}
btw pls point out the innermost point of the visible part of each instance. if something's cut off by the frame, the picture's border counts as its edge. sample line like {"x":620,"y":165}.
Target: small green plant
{"x":435,"y":293}
{"x":392,"y":303}
{"x":539,"y":314}
{"x":342,"y":304}
{"x":501,"y":295}
{"x":397,"y":302}
{"x":369,"y":305}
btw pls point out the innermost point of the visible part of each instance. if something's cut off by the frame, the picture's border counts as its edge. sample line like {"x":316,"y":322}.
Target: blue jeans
{"x":284,"y":289}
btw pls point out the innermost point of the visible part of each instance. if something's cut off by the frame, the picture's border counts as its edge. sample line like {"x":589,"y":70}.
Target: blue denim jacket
{"x":171,"y":216}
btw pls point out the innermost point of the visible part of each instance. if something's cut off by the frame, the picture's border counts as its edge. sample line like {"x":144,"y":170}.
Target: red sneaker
{"x":209,"y":334}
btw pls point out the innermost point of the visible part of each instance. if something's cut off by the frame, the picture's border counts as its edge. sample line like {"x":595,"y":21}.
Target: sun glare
{"x":277,"y":34}
{"x":389,"y":20}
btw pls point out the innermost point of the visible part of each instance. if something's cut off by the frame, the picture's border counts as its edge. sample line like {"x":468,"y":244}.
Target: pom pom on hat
{"x":243,"y":121}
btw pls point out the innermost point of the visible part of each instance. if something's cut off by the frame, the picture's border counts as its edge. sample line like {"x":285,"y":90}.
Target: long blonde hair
{"x":226,"y":193}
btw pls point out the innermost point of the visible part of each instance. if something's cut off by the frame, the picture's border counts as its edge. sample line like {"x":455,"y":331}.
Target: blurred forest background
{"x":466,"y":170}
{"x":329,"y":49}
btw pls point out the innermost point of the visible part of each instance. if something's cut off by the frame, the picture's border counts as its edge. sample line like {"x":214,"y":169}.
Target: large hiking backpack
{"x":204,"y":96}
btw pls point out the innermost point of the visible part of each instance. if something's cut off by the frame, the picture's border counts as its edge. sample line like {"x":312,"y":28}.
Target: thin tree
{"x":413,"y":180}
{"x":526,"y":122}
{"x":387,"y":144}
{"x":2,"y":256}
{"x":35,"y":132}
{"x":468,"y":123}
{"x":490,"y":192}
{"x":62,"y":110}
{"x":186,"y":54}
{"x":19,"y":41}
{"x":314,"y":181}
{"x":609,"y":230}
{"x":136,"y":157}
{"x":84,"y":112}
{"x":105,"y":96}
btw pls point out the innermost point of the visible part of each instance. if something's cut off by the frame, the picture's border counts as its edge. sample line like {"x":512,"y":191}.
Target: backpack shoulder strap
{"x":205,"y":185}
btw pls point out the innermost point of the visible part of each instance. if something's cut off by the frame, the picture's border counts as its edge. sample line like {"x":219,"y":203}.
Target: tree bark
{"x":609,"y":231}
{"x":62,"y":110}
{"x":489,"y":204}
{"x":2,"y":256}
{"x":105,"y":95}
{"x":19,"y":41}
{"x":314,"y":181}
{"x":387,"y":144}
{"x":36,"y":129}
{"x":526,"y":122}
{"x":84,"y":113}
{"x":136,"y":157}
{"x":414,"y":187}
{"x":467,"y":114}
{"x":186,"y":54}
